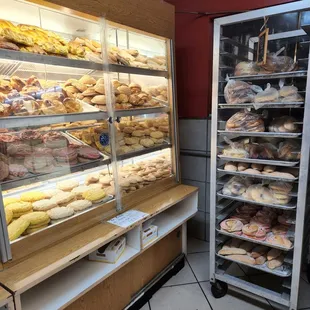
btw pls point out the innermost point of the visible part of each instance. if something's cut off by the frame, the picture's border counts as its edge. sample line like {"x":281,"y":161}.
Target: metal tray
{"x":255,"y":241}
{"x":271,"y":162}
{"x":260,"y":134}
{"x":289,"y":206}
{"x":266,"y":105}
{"x":281,"y":75}
{"x":283,"y":271}
{"x":257,"y":176}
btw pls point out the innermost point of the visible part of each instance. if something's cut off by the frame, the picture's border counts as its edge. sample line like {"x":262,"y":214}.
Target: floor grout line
{"x":199,"y":285}
{"x":197,"y":252}
{"x":179,"y":284}
{"x":149,"y":304}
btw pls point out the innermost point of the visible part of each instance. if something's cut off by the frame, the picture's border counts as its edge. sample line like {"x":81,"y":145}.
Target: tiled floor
{"x":190,"y":288}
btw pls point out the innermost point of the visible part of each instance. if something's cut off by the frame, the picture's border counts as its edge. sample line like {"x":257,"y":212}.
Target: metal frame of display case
{"x":8,"y":250}
{"x":216,"y":277}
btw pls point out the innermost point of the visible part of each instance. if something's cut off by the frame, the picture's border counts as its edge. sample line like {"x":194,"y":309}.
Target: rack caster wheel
{"x":219,"y":289}
{"x":308,"y":273}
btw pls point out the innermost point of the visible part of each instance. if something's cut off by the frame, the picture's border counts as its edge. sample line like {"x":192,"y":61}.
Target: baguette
{"x":231,"y":251}
{"x":243,"y":258}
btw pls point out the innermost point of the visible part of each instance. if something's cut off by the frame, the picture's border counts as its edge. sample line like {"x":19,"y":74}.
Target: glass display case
{"x":87,"y":122}
{"x":260,"y":152}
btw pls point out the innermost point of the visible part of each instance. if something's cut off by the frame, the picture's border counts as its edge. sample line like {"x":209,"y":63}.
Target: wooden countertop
{"x":5,"y":297}
{"x":44,"y":264}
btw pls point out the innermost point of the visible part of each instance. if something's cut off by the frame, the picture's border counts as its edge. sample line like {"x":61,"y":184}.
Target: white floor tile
{"x":196,"y":246}
{"x":235,"y":301}
{"x":145,"y":307}
{"x":184,"y":276}
{"x":183,"y":297}
{"x":199,"y":262}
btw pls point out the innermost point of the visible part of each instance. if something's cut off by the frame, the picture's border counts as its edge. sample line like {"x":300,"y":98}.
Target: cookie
{"x":60,"y":213}
{"x":8,"y":216}
{"x":157,"y":141}
{"x":32,"y":196}
{"x":78,"y":191}
{"x":67,"y":185}
{"x":157,"y":134}
{"x":19,"y":208}
{"x":94,"y":194}
{"x":80,"y":205}
{"x":138,"y":133}
{"x":92,"y":178}
{"x":147,"y":142}
{"x":96,"y":185}
{"x":44,"y":205}
{"x":37,"y":218}
{"x":9,"y":200}
{"x":137,"y":147}
{"x":63,"y":198}
{"x":105,"y":180}
{"x":17,"y":227}
{"x":52,"y":192}
{"x":132,"y":140}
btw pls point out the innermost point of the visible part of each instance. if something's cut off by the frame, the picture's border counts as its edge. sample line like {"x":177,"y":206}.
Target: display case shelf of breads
{"x":33,"y":155}
{"x":58,"y":39}
{"x":259,"y":171}
{"x":134,"y":136}
{"x":259,"y":224}
{"x":33,"y":208}
{"x":255,"y":256}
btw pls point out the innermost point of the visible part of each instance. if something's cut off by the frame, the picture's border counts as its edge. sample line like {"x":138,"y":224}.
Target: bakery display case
{"x":87,"y":122}
{"x":260,"y":151}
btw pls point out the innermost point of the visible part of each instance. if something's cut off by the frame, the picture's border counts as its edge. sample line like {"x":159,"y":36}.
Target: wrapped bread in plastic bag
{"x":236,"y":92}
{"x":293,"y":98}
{"x":276,"y":64}
{"x":246,"y":68}
{"x":289,"y":93}
{"x":236,"y":149}
{"x":236,"y":186}
{"x":283,"y":124}
{"x":289,"y":150}
{"x":286,"y":91}
{"x":262,"y":151}
{"x":270,"y":94}
{"x":245,"y":121}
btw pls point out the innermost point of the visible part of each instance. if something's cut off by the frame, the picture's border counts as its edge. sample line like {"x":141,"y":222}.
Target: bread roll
{"x":230,"y":251}
{"x":243,"y":258}
{"x":243,"y":166}
{"x":258,"y":167}
{"x":230,"y":166}
{"x":260,"y":260}
{"x":275,"y":263}
{"x":273,"y":254}
{"x":269,"y":168}
{"x":259,"y":251}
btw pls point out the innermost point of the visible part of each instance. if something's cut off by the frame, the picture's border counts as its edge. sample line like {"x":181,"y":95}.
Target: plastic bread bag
{"x":283,"y":124}
{"x":245,"y":121}
{"x":293,"y":98}
{"x":246,"y":68}
{"x":276,"y":64}
{"x":237,"y":92}
{"x":262,"y":151}
{"x":270,"y":94}
{"x":289,"y":150}
{"x":236,"y":149}
{"x":236,"y":186}
{"x":25,"y":105}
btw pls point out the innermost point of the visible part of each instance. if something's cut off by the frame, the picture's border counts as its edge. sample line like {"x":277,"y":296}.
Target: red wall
{"x":194,"y":50}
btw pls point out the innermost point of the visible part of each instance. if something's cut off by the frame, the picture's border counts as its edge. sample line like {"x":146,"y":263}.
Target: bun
{"x":230,"y":166}
{"x":273,"y":254}
{"x":260,"y":260}
{"x":243,"y":166}
{"x":257,"y":167}
{"x":72,"y":105}
{"x":259,"y":251}
{"x":275,"y":263}
{"x":269,"y":169}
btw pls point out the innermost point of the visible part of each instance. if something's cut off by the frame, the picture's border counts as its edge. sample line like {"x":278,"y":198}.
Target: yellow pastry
{"x":94,"y":194}
{"x":9,"y":200}
{"x":8,"y":216}
{"x":37,"y":218}
{"x":16,"y":228}
{"x":19,"y":208}
{"x":32,"y":196}
{"x":29,"y":230}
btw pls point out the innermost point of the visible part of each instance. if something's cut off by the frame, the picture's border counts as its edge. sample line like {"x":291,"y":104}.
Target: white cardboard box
{"x":149,"y":233}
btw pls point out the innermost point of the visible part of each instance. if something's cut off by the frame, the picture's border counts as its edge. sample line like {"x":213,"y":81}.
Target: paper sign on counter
{"x":128,"y":218}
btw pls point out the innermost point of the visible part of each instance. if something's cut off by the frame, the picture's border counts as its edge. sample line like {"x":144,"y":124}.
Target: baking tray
{"x":283,"y":271}
{"x":256,"y":241}
{"x":271,"y":162}
{"x":265,"y":105}
{"x":257,"y":176}
{"x":290,"y":206}
{"x":260,"y":134}
{"x":281,"y":75}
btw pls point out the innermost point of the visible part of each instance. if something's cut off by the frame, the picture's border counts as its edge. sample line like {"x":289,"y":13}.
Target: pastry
{"x":72,"y":105}
{"x":8,"y":216}
{"x":32,"y":196}
{"x":275,"y":263}
{"x":60,"y":213}
{"x":78,"y":191}
{"x":49,"y":193}
{"x":44,"y":205}
{"x":269,"y":169}
{"x":52,"y":107}
{"x":19,"y":208}
{"x":51,"y":96}
{"x":245,"y":121}
{"x":88,"y":153}
{"x":99,"y":99}
{"x":146,"y":142}
{"x":258,"y":251}
{"x":273,"y":254}
{"x":279,"y":240}
{"x":254,"y":231}
{"x":230,"y":166}
{"x":94,"y":195}
{"x":232,"y":226}
{"x":63,"y":198}
{"x":54,"y":139}
{"x":37,"y":219}
{"x":257,"y":167}
{"x":39,"y":163}
{"x":80,"y":205}
{"x":17,"y":227}
{"x":9,"y":200}
{"x":231,"y":250}
{"x":243,"y":259}
{"x":19,"y":150}
{"x":243,"y":166}
{"x":88,"y":80}
{"x":17,"y":171}
{"x":67,"y":185}
{"x":66,"y":156}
